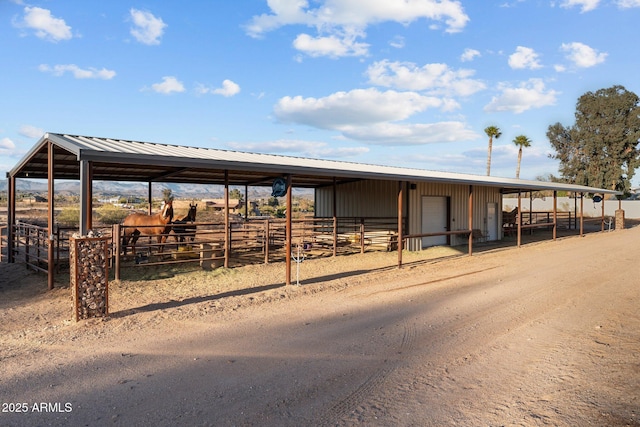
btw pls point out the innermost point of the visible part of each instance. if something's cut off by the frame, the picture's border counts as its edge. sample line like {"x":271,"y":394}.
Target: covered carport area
{"x":87,"y":159}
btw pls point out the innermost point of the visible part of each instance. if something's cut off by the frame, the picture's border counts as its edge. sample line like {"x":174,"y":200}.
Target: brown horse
{"x":138,"y":224}
{"x":181,"y":230}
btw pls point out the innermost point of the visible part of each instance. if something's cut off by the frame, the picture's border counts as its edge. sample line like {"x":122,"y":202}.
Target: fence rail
{"x":254,"y":241}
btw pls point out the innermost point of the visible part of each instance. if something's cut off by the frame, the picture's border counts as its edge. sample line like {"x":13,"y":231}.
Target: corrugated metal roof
{"x":123,"y":160}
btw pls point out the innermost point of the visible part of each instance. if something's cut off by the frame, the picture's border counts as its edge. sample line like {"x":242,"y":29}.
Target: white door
{"x":492,"y":221}
{"x":434,"y":220}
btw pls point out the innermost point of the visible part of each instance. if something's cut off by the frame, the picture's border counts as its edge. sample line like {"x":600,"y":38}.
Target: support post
{"x":581,"y":214}
{"x":288,"y":230}
{"x":266,"y":241}
{"x":530,"y":212}
{"x":246,"y":202}
{"x":470,"y":213}
{"x":115,"y":236}
{"x":361,"y":231}
{"x":50,"y":214}
{"x":227,"y":231}
{"x":150,"y":199}
{"x":11,"y":217}
{"x":555,"y":214}
{"x":400,"y":239}
{"x":86,"y":203}
{"x":335,"y":217}
{"x":519,"y":218}
{"x":602,"y":222}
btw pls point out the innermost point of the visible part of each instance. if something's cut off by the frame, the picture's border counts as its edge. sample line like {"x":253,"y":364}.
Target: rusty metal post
{"x":266,"y":241}
{"x":115,"y":236}
{"x":335,"y":217}
{"x":531,"y":212}
{"x":246,"y":202}
{"x":581,"y":214}
{"x":288,"y":240}
{"x":11,"y":217}
{"x":150,"y":199}
{"x":555,"y":214}
{"x":227,"y":233}
{"x":519,"y":218}
{"x":602,"y":222}
{"x":361,"y":235}
{"x":400,"y":206}
{"x":50,"y":215}
{"x":470,"y":213}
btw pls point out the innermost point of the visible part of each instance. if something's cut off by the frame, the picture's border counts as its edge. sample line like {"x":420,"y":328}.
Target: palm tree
{"x":492,"y":132}
{"x":521,"y":141}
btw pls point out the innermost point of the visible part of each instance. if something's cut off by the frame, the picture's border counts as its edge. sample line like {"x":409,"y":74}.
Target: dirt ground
{"x":548,"y":334}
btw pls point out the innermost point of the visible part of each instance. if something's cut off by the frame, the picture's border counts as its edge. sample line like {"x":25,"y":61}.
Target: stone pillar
{"x":619,"y":219}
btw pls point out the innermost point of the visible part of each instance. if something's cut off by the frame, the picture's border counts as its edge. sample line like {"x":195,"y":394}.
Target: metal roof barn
{"x":86,"y":158}
{"x":123,"y":160}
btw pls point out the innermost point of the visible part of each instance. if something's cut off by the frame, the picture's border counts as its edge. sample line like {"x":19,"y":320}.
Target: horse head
{"x":167,"y":210}
{"x":191,"y":216}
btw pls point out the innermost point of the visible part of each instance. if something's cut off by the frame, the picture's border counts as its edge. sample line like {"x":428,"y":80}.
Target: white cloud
{"x":587,"y":5}
{"x":147,"y":28}
{"x":469,"y":55}
{"x":410,"y":133}
{"x":529,"y":94}
{"x":313,"y":149}
{"x":6,"y":145}
{"x":583,"y":56}
{"x":433,"y":78}
{"x":228,"y":89}
{"x":356,"y":107}
{"x":78,"y":73}
{"x":46,"y":26}
{"x":524,"y":57}
{"x":398,"y":42}
{"x":340,"y":23}
{"x":169,"y":85}
{"x":371,"y":116}
{"x":331,"y":46}
{"x":30,"y":131}
{"x":624,"y":4}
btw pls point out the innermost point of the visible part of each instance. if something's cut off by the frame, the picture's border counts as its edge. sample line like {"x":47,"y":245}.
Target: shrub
{"x":109,"y":214}
{"x":69,"y":216}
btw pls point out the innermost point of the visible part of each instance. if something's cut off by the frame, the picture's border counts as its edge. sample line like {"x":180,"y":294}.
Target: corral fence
{"x":252,"y":241}
{"x":31,"y":245}
{"x":209,"y":243}
{"x":564,"y":221}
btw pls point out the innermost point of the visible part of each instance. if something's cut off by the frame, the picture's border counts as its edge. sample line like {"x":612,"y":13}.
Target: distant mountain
{"x":138,"y":189}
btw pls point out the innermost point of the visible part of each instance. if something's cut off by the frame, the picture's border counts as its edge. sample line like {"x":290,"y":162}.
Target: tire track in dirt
{"x":353,"y":405}
{"x":469,"y":327}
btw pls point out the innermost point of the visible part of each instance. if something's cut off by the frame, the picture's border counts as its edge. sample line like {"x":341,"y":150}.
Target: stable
{"x":428,"y":207}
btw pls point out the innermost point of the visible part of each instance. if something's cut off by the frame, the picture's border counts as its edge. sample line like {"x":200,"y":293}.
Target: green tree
{"x":520,"y":141}
{"x":601,"y":148}
{"x":167,"y":194}
{"x":273,"y":202}
{"x":492,"y":132}
{"x":236,"y":194}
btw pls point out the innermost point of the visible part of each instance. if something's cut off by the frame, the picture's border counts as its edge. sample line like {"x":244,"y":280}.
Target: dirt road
{"x":548,"y":334}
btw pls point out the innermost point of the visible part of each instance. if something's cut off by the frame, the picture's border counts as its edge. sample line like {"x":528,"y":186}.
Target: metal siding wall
{"x":379,"y":199}
{"x":459,"y":202}
{"x":359,"y":199}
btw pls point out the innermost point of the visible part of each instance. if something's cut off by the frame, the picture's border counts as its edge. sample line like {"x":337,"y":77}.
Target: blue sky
{"x":408,"y":83}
